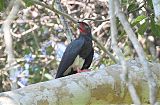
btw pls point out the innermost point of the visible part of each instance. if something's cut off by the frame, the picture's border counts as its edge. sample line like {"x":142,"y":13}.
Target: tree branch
{"x":25,"y":32}
{"x":64,"y":21}
{"x":156,"y":6}
{"x":125,"y":77}
{"x":8,"y":39}
{"x":104,"y":49}
{"x":151,"y":82}
{"x":91,"y":88}
{"x":55,"y":10}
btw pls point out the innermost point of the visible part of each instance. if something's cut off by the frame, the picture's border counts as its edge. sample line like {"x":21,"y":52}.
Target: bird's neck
{"x":85,"y":34}
{"x":87,"y":37}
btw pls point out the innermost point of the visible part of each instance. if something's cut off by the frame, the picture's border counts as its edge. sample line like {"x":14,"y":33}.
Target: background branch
{"x":8,"y":39}
{"x":156,"y":6}
{"x":64,"y":21}
{"x":151,"y":82}
{"x":124,"y":77}
{"x":55,"y":10}
{"x":104,"y":49}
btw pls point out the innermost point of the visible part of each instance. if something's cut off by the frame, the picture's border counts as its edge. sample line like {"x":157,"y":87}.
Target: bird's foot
{"x":84,"y":70}
{"x":80,"y":71}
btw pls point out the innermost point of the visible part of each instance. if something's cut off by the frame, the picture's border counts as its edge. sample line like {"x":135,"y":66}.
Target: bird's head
{"x":84,"y":28}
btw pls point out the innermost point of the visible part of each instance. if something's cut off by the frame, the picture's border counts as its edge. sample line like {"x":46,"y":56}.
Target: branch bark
{"x":91,"y":88}
{"x":64,"y":21}
{"x":156,"y":5}
{"x":8,"y":39}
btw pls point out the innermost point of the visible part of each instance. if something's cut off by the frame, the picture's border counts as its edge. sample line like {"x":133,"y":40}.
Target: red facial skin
{"x":82,"y":30}
{"x":82,"y":27}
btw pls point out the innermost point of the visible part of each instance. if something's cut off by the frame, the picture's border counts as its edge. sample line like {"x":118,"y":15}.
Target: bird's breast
{"x":86,"y":49}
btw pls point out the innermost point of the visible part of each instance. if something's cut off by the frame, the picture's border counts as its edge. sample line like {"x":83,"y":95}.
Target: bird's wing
{"x":88,"y":60}
{"x":69,"y":56}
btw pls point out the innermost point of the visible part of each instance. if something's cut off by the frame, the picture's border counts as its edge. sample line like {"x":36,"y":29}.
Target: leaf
{"x":27,"y":51}
{"x":28,"y":2}
{"x":155,"y":29}
{"x":142,"y":28}
{"x":1,"y":5}
{"x":35,"y":69}
{"x":132,"y":7}
{"x":137,"y":20}
{"x":150,"y":4}
{"x":49,"y":50}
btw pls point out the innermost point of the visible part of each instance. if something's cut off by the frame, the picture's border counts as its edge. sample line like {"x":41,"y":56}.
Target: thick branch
{"x":92,"y":88}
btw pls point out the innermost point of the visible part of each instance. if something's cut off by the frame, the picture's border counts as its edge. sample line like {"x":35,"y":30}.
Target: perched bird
{"x":78,"y":54}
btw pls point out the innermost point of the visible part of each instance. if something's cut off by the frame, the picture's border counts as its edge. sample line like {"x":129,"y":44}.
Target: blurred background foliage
{"x":38,"y":51}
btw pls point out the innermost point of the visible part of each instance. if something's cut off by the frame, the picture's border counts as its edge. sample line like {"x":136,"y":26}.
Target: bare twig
{"x":104,"y":49}
{"x":25,"y":32}
{"x":100,"y":27}
{"x":151,"y":82}
{"x":95,"y":20}
{"x":118,"y":52}
{"x":100,"y":44}
{"x":55,"y":10}
{"x":64,"y":21}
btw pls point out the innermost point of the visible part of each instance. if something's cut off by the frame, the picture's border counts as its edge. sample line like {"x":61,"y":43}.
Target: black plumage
{"x":79,"y":50}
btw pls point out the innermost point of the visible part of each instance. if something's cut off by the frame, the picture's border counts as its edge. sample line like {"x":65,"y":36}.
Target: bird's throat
{"x":82,"y":30}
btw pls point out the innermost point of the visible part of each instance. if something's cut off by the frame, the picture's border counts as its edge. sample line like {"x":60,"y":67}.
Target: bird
{"x":78,"y":55}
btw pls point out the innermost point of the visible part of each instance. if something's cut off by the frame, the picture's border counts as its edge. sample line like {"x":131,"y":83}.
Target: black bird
{"x":78,"y":54}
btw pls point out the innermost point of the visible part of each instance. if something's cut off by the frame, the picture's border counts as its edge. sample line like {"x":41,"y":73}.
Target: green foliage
{"x":28,"y":2}
{"x":49,"y":50}
{"x":142,"y":28}
{"x":150,"y":5}
{"x":138,"y":20}
{"x":2,"y":4}
{"x":35,"y":74}
{"x":132,"y":7}
{"x":155,"y":29}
